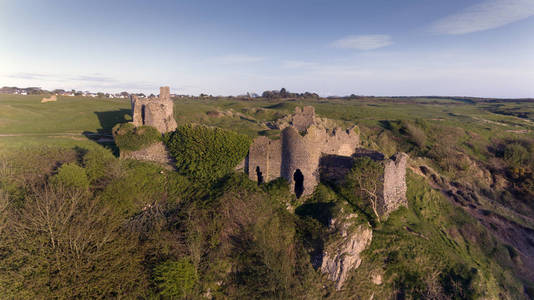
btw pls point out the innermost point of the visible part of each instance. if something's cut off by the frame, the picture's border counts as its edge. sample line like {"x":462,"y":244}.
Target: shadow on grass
{"x":108,"y":119}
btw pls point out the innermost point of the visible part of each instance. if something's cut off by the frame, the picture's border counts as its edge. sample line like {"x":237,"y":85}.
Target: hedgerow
{"x":131,"y":138}
{"x":206,"y":153}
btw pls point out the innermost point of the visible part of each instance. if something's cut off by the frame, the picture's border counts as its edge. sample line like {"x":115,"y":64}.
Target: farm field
{"x":24,"y":121}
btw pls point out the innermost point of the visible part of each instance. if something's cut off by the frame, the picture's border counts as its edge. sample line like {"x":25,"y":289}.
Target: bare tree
{"x":4,"y":201}
{"x":68,"y":244}
{"x":366,"y":178}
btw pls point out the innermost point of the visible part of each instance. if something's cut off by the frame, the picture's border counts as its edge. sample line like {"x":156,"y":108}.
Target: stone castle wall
{"x":155,"y":112}
{"x":393,"y":193}
{"x":154,"y":153}
{"x":158,"y":113}
{"x":303,"y":118}
{"x":294,"y":153}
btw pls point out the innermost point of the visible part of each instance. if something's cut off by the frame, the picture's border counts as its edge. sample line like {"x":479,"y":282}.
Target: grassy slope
{"x":431,"y":240}
{"x":419,"y":246}
{"x":25,"y":121}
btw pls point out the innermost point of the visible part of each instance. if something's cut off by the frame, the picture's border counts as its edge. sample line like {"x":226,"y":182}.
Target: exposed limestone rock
{"x":52,"y":98}
{"x":376,"y":279}
{"x":155,"y":112}
{"x":343,"y":256}
{"x":155,"y":153}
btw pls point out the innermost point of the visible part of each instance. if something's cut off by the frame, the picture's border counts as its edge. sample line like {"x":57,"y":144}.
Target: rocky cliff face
{"x":342,"y":256}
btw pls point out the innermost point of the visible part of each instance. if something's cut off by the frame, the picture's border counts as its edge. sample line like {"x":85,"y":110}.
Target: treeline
{"x":283,"y":93}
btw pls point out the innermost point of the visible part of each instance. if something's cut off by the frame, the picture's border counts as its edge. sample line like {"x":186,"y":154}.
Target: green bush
{"x":100,"y":164}
{"x":206,"y":153}
{"x":71,"y":176}
{"x":131,"y":138}
{"x":140,"y":185}
{"x":176,"y":279}
{"x":516,"y":155}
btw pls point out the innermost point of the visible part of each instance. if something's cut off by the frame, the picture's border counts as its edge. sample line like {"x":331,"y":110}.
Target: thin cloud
{"x":94,"y":78}
{"x":29,"y":75}
{"x":297,"y":64}
{"x":238,"y":59}
{"x":486,"y":15}
{"x":363,"y":42}
{"x":93,"y":82}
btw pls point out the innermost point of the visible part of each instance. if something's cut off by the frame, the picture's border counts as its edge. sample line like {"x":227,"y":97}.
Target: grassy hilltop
{"x":133,"y":229}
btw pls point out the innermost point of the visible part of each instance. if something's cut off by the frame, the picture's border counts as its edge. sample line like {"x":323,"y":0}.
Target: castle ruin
{"x":295,"y":156}
{"x":156,"y":112}
{"x":307,"y":152}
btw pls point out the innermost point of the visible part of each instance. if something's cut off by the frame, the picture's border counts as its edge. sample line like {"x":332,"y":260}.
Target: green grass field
{"x":24,"y":121}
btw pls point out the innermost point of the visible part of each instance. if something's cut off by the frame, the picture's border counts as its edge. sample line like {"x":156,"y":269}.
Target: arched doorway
{"x":259,"y":174}
{"x":298,"y":177}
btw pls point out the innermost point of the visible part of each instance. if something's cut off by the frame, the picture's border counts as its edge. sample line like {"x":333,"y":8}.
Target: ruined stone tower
{"x":393,"y":193}
{"x":295,"y":157}
{"x":155,"y":112}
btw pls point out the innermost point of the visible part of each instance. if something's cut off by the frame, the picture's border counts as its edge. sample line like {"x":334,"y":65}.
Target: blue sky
{"x":221,"y":47}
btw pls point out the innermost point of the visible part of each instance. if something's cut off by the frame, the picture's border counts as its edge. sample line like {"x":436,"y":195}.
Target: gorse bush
{"x":141,"y":184}
{"x":71,"y":176}
{"x":131,"y":138}
{"x":176,"y":279}
{"x":206,"y":153}
{"x":100,"y":164}
{"x":516,"y":154}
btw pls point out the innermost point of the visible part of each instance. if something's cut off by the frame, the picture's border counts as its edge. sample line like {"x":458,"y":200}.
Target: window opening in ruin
{"x":299,"y":183}
{"x":260,"y":175}
{"x":142,"y":115}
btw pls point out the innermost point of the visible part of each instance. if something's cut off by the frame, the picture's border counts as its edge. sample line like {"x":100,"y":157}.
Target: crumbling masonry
{"x":155,"y":112}
{"x":295,"y":157}
{"x":307,"y":152}
{"x":158,"y":113}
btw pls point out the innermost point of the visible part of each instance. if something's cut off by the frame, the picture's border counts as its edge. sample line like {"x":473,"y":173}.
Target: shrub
{"x":176,"y":278}
{"x":278,"y":190}
{"x":416,"y":135}
{"x":131,"y":138}
{"x":516,"y":155}
{"x":71,"y":176}
{"x":100,"y":164}
{"x":206,"y":153}
{"x":64,"y":244}
{"x":141,"y":184}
